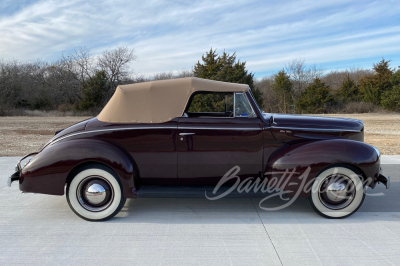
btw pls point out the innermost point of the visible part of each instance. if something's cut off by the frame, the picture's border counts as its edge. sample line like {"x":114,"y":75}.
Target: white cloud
{"x":172,"y":35}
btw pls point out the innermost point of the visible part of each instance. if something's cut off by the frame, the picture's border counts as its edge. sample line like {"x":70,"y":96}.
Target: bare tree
{"x":9,"y":77}
{"x":184,"y":73}
{"x":44,"y":85}
{"x":170,"y":75}
{"x":115,"y":63}
{"x":301,"y":75}
{"x":356,"y":73}
{"x":63,"y":84}
{"x":335,"y":78}
{"x":270,"y":97}
{"x":81,"y":63}
{"x":163,"y":75}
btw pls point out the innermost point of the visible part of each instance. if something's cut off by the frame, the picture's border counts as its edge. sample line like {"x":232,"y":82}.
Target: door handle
{"x":186,"y":134}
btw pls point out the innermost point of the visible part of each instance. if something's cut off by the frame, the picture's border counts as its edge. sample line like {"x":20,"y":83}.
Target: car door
{"x":213,"y":138}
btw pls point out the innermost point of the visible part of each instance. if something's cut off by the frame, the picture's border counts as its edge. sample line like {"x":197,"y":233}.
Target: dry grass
{"x":20,"y":135}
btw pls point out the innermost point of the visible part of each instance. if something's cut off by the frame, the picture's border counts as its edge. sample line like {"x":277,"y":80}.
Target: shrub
{"x":358,"y":107}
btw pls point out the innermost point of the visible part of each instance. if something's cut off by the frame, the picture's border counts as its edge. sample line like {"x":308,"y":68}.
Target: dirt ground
{"x":22,"y":135}
{"x":380,"y":130}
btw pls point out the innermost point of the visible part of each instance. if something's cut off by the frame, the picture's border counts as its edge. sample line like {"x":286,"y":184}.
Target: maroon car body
{"x":197,"y":151}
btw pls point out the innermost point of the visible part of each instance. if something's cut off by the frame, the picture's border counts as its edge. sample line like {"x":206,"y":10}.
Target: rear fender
{"x":318,"y":155}
{"x":48,"y":171}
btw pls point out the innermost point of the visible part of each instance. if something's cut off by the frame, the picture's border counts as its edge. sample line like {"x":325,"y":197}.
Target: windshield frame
{"x":254,"y":104}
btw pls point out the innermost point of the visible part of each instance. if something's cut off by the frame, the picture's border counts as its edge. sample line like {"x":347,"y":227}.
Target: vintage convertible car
{"x":179,"y":137}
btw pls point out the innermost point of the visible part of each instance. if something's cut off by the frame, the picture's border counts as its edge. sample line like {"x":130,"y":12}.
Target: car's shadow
{"x":380,"y":203}
{"x":246,"y":210}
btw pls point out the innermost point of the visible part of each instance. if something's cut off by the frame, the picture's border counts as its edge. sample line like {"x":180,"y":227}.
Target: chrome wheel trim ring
{"x":91,"y":187}
{"x":337,"y":191}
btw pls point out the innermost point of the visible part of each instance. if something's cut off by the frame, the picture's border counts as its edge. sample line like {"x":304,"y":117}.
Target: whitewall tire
{"x":337,"y":192}
{"x":95,"y":193}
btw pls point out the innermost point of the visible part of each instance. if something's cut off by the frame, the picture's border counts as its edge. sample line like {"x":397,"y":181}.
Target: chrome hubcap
{"x":95,"y":193}
{"x":337,"y":192}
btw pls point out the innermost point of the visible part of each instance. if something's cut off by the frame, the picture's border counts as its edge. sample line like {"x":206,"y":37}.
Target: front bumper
{"x":384,"y":180}
{"x":18,"y":168}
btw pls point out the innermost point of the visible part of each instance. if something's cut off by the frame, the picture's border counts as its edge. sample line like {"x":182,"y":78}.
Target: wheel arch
{"x":78,"y":168}
{"x":321,"y":154}
{"x":54,"y":166}
{"x":353,"y":167}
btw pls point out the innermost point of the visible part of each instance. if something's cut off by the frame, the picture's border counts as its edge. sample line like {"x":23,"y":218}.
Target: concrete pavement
{"x":41,"y":229}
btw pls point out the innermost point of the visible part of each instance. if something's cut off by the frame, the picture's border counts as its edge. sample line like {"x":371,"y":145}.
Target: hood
{"x":317,"y":122}
{"x":289,"y":127}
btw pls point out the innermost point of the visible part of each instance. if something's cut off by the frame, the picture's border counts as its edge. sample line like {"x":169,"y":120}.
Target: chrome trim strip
{"x":222,"y":128}
{"x":131,"y":128}
{"x":234,"y":105}
{"x":316,"y":129}
{"x":186,"y":134}
{"x":105,"y":130}
{"x":18,"y":166}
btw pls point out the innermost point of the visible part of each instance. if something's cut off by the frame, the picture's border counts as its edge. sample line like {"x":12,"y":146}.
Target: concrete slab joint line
{"x":266,"y":231}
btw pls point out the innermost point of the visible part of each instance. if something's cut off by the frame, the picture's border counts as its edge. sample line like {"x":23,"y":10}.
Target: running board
{"x":192,"y":192}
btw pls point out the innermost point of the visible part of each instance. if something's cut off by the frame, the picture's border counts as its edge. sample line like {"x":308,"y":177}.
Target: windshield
{"x":243,"y":107}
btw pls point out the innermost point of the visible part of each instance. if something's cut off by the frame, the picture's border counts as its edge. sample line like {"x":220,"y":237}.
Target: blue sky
{"x":173,"y":35}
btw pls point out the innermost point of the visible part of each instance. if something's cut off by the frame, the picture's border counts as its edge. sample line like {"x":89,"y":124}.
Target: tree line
{"x":75,"y":82}
{"x":302,"y":89}
{"x":80,"y":82}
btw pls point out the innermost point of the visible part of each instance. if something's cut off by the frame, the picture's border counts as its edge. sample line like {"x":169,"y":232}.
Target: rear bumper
{"x":18,"y":168}
{"x":12,"y":178}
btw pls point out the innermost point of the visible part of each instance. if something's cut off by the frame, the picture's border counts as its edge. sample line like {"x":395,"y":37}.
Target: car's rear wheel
{"x":337,"y":192}
{"x":95,"y":193}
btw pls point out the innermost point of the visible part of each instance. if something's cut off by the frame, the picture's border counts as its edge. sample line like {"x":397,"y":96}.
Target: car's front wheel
{"x":337,"y":192}
{"x":95,"y":193}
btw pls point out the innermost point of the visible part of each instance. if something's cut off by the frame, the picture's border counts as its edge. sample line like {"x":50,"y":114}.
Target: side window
{"x":243,"y":107}
{"x":211,"y":104}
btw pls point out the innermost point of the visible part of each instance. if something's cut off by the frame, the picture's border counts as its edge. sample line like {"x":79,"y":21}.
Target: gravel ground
{"x":21,"y":135}
{"x":380,"y":130}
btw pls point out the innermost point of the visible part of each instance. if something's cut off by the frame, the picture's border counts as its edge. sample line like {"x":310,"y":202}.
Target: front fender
{"x":48,"y":171}
{"x":322,"y":153}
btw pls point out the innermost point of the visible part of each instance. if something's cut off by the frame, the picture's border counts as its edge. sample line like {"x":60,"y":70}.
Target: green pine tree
{"x":315,"y":98}
{"x":391,"y":98}
{"x":226,"y":68}
{"x":348,"y":91}
{"x":372,"y":86}
{"x":283,"y":89}
{"x":93,"y":91}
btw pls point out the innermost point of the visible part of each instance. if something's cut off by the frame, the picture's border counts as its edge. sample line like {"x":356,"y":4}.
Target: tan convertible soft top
{"x":158,"y":101}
